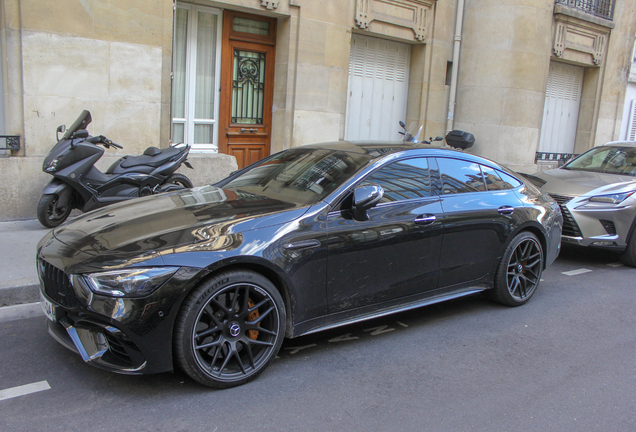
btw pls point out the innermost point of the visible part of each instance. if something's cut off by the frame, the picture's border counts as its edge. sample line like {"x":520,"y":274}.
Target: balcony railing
{"x":600,"y":8}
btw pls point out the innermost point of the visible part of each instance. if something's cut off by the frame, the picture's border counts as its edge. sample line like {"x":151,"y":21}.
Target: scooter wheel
{"x":52,"y":212}
{"x":178,"y":179}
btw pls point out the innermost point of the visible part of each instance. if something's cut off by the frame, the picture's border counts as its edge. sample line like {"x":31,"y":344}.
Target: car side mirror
{"x":364,"y":198}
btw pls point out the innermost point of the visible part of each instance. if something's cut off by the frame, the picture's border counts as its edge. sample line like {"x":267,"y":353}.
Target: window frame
{"x":190,"y":121}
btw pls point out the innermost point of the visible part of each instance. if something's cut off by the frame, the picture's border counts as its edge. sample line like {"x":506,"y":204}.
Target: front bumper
{"x":124,"y":335}
{"x":601,"y":228}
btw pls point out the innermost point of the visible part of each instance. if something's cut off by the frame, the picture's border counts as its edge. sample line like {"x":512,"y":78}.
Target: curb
{"x":22,"y":311}
{"x":19,"y":295}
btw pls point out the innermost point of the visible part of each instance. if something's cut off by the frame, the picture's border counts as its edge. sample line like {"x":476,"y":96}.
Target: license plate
{"x":48,"y":308}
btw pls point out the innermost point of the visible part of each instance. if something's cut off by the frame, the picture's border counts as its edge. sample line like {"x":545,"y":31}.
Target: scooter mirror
{"x":402,"y":124}
{"x":82,"y":133}
{"x":60,"y":129}
{"x":439,"y":138}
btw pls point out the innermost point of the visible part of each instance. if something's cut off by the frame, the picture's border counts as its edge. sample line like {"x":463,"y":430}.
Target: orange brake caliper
{"x":252,"y":334}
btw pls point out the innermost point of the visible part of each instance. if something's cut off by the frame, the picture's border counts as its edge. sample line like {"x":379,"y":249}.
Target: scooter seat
{"x":154,"y":161}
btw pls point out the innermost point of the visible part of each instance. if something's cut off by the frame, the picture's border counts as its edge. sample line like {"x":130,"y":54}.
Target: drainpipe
{"x":450,"y":120}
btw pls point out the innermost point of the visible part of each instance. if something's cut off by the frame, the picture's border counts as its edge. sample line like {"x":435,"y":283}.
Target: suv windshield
{"x":608,"y":160}
{"x":301,"y":175}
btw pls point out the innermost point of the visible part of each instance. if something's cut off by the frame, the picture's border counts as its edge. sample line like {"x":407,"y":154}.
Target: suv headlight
{"x":606,"y":201}
{"x":137,"y":282}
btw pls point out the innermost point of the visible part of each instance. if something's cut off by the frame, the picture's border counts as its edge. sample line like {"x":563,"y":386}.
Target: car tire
{"x":628,"y":256}
{"x":519,"y":271}
{"x":229,"y":329}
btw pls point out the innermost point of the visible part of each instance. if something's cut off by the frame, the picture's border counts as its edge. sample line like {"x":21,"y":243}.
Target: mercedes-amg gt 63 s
{"x":212,"y":279}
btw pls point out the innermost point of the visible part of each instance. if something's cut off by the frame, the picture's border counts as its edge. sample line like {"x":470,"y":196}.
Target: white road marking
{"x":344,"y":337}
{"x":616,"y":264}
{"x":402,"y":324}
{"x":294,"y":350}
{"x":379,"y":330}
{"x":576,"y":272}
{"x":24,"y":390}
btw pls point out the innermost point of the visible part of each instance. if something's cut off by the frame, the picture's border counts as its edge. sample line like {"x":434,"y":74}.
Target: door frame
{"x":251,"y":42}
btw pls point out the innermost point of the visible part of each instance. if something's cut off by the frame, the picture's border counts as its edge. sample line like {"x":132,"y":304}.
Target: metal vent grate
{"x":570,"y":227}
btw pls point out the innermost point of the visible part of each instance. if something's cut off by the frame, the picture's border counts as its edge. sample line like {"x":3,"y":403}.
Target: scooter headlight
{"x":52,"y":166}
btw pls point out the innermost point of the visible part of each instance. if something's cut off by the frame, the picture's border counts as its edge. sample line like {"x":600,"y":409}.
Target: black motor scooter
{"x":79,"y":184}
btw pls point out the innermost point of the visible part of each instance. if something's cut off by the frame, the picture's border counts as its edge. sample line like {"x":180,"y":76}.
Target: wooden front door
{"x":247,"y":86}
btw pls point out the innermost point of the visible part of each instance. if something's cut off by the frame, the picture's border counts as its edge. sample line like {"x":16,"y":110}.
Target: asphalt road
{"x":563,"y":362}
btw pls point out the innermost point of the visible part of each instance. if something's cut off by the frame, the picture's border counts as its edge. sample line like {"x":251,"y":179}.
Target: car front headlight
{"x":138,"y":282}
{"x":606,"y":201}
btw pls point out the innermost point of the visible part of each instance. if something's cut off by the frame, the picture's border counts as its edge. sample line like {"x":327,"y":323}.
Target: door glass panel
{"x":246,"y":25}
{"x":459,"y":176}
{"x":203,"y":134}
{"x":248,"y":87}
{"x":179,"y":66}
{"x":178,"y":132}
{"x":205,"y":79}
{"x":403,"y":180}
{"x":493,"y":180}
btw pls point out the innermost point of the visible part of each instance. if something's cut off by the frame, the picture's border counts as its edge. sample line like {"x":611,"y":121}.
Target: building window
{"x":196,"y":77}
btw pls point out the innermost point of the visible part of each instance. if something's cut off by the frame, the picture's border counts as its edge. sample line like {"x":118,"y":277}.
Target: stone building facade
{"x":533,"y":80}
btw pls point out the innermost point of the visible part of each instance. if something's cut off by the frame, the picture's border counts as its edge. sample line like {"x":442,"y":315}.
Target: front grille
{"x":56,"y":285}
{"x":570,"y":227}
{"x":609,"y":226}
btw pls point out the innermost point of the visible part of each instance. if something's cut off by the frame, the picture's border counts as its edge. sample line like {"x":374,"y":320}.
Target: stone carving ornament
{"x":411,"y":14}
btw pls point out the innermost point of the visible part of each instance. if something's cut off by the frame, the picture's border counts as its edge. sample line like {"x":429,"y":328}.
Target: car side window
{"x":402,"y":180}
{"x":460,"y":176}
{"x":509,"y":180}
{"x":493,"y":180}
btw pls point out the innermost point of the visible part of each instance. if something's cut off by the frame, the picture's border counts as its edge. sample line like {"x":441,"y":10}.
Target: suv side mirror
{"x":364,"y":198}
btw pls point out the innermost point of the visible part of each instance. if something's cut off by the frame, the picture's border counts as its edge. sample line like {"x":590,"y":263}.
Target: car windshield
{"x":608,"y":160}
{"x":302,"y":175}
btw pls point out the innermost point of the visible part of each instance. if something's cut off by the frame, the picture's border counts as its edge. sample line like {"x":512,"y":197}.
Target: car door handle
{"x":302,"y":244}
{"x":425,"y":219}
{"x":506,"y":210}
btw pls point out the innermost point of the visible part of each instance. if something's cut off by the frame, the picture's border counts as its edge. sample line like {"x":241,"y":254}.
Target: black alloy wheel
{"x":51,"y":211}
{"x":519,"y":271}
{"x":229,"y":329}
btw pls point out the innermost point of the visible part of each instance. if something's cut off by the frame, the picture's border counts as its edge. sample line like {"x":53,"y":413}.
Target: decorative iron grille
{"x":599,"y":8}
{"x":553,"y":157}
{"x":9,"y":142}
{"x":248,"y":87}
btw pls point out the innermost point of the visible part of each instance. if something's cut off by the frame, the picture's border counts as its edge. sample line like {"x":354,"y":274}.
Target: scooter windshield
{"x":81,"y":123}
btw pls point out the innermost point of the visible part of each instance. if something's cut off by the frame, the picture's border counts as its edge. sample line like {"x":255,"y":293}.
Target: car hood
{"x":576,"y":183}
{"x":142,"y":227}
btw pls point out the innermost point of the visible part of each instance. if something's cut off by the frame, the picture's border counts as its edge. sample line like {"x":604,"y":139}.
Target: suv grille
{"x":56,"y":284}
{"x":570,"y":227}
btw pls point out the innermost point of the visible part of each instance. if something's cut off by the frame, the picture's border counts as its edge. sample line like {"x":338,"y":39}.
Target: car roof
{"x":621,"y":143}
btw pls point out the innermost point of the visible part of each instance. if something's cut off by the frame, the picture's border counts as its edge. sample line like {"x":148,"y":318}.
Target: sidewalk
{"x":18,"y":275}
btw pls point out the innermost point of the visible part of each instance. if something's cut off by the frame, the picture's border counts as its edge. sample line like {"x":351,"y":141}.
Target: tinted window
{"x":509,"y":180}
{"x":403,"y":180}
{"x":302,"y":175}
{"x":459,"y":176}
{"x":493,"y":180}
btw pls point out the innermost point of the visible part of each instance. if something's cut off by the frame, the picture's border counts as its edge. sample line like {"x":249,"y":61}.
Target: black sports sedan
{"x":213,"y":278}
